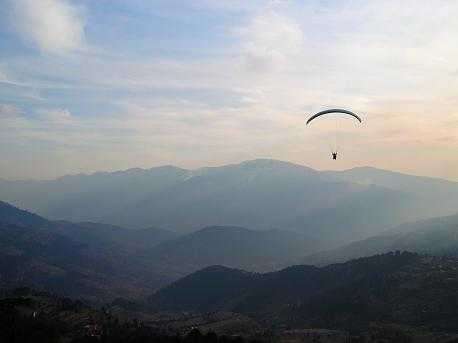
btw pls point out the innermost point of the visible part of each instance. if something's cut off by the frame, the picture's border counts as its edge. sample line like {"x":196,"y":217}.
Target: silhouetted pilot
{"x":334,"y":155}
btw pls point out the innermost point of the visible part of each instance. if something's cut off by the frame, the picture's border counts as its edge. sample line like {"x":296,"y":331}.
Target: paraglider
{"x":334,"y":110}
{"x":338,"y":111}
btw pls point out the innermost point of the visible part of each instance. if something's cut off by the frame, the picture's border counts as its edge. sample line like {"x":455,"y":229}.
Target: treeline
{"x":18,"y":328}
{"x":146,"y":335}
{"x":58,"y":320}
{"x":21,"y":329}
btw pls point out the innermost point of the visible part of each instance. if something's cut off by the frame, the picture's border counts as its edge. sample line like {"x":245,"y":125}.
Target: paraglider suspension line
{"x":335,"y":135}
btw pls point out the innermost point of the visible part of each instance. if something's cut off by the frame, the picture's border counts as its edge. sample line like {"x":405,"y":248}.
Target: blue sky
{"x":108,"y":85}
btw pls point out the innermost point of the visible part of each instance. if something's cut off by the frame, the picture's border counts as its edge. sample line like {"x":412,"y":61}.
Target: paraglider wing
{"x":334,"y":110}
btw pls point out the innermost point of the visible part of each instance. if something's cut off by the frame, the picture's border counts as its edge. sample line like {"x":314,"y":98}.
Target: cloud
{"x":59,"y":116}
{"x":12,"y":122}
{"x":8,"y":111}
{"x":3,"y":77}
{"x":396,"y":63}
{"x":54,"y":26}
{"x":270,"y":40}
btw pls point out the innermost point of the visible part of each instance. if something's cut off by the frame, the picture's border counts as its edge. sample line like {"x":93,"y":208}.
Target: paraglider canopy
{"x":337,"y":111}
{"x":333,"y":110}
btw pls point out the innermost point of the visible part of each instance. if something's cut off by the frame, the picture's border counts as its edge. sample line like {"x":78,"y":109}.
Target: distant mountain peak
{"x":268,"y":162}
{"x":169,"y":167}
{"x":130,"y":171}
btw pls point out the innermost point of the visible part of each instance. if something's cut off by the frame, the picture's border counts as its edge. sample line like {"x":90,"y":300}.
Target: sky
{"x":107,"y":85}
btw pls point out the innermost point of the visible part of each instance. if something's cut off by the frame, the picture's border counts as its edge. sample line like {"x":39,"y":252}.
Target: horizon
{"x":225,"y":165}
{"x":88,"y":86}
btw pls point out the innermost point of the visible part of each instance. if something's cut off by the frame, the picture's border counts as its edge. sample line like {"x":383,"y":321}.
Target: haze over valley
{"x":278,"y":214}
{"x":329,"y":208}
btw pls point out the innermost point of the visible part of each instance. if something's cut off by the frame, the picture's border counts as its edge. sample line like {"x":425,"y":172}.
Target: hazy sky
{"x":114,"y":84}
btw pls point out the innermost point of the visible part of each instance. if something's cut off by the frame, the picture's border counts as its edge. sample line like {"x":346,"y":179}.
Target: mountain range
{"x":103,"y":261}
{"x":330,"y":208}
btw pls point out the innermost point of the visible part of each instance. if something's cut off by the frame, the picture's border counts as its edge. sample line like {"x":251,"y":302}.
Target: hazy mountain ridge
{"x":436,"y":236}
{"x":91,"y":259}
{"x":393,"y":180}
{"x":433,"y":197}
{"x":140,"y":239}
{"x":230,"y":246}
{"x":72,"y":259}
{"x":258,"y":194}
{"x":86,"y":232}
{"x":90,"y":197}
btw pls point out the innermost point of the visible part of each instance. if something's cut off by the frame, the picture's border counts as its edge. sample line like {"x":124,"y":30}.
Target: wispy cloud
{"x":394,"y":62}
{"x":8,"y":111}
{"x":54,"y":26}
{"x":3,"y":77}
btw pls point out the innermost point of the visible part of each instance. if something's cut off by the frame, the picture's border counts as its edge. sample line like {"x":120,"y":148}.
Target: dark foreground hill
{"x":399,"y":288}
{"x":436,"y":236}
{"x":27,"y":316}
